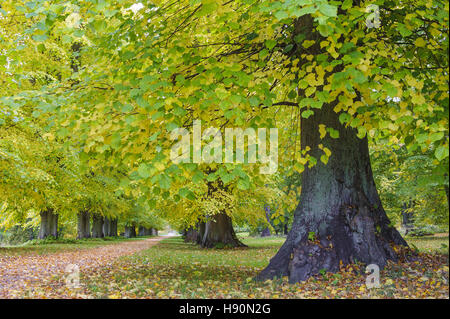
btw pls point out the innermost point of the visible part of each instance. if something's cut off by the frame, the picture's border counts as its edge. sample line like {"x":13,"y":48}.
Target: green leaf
{"x":270,"y":44}
{"x":441,"y":152}
{"x":144,"y":170}
{"x":328,"y":10}
{"x":307,"y":113}
{"x":39,"y":37}
{"x":243,"y":184}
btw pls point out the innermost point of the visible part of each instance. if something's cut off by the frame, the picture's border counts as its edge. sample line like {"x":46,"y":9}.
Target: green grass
{"x":429,"y":244}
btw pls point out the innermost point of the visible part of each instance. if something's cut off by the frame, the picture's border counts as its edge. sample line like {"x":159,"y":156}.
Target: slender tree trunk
{"x":154,"y":232}
{"x":407,"y":218}
{"x":201,"y":227}
{"x":107,"y":227}
{"x":340,"y":216}
{"x":83,"y":226}
{"x":97,"y":226}
{"x":49,"y":224}
{"x":266,"y":231}
{"x":219,"y":231}
{"x":113,"y":232}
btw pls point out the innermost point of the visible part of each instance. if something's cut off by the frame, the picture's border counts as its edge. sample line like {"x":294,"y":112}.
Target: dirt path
{"x":45,"y":276}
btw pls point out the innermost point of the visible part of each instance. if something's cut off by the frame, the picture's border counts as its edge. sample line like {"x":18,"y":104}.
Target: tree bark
{"x":130,"y":232}
{"x":83,"y":226}
{"x":143,"y":231}
{"x":191,"y":235}
{"x":219,"y":231}
{"x":49,"y":224}
{"x":200,"y":232}
{"x":107,"y":227}
{"x":340,"y":216}
{"x":154,"y":232}
{"x":407,"y":218}
{"x":97,"y":226}
{"x":266,"y":231}
{"x":447,"y":194}
{"x":113,"y":229}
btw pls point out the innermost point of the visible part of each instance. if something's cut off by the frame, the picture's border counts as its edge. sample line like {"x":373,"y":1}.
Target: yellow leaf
{"x":420,"y":42}
{"x":322,"y":130}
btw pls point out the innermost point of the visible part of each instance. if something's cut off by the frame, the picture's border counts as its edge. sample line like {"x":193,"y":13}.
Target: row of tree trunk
{"x":101,"y":226}
{"x":143,"y":231}
{"x":130,"y":231}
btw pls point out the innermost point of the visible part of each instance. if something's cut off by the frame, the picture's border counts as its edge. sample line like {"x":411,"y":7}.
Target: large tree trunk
{"x":49,"y":224}
{"x":340,"y":216}
{"x":219,"y":231}
{"x":97,"y":226}
{"x":130,"y":231}
{"x":83,"y":226}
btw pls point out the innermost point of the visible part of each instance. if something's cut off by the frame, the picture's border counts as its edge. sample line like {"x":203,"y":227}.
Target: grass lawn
{"x":174,"y":269}
{"x":429,"y":244}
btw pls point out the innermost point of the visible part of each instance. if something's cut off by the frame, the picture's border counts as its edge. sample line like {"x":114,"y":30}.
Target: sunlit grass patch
{"x":430,"y":244}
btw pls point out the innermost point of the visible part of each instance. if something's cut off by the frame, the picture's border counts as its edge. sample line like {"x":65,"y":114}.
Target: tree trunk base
{"x":219,"y":233}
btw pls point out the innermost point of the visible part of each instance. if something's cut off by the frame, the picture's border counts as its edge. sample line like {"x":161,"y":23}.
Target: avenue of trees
{"x":92,"y":90}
